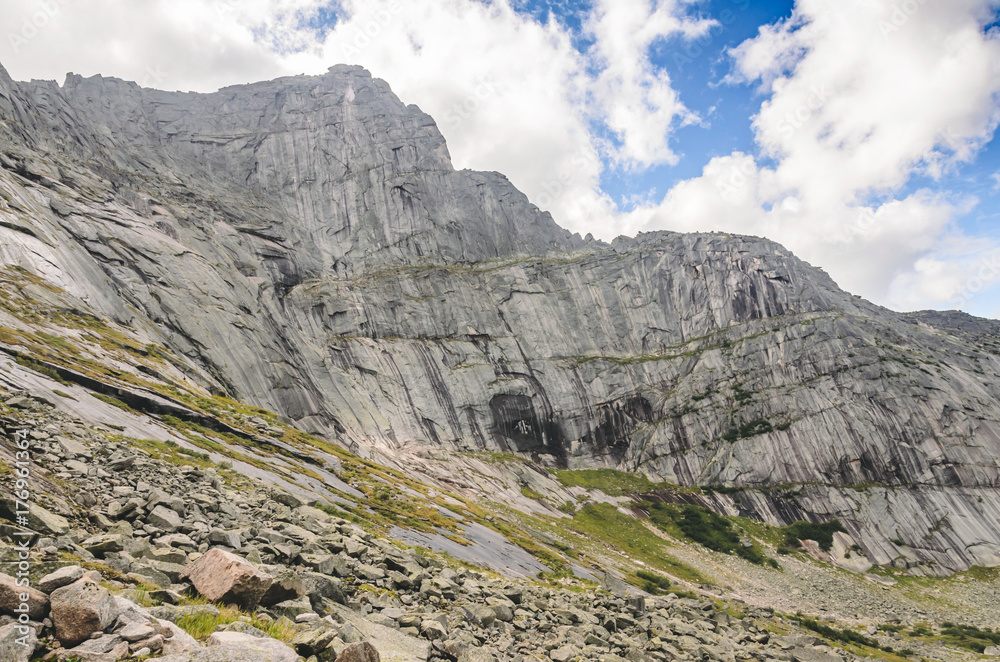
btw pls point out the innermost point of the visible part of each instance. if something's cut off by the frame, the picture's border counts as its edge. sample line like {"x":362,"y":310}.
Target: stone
{"x":261,"y":649}
{"x":477,"y":655}
{"x":81,"y":609}
{"x":223,"y":537}
{"x":286,"y":585}
{"x":59,"y":578}
{"x":314,"y":641}
{"x":164,"y":518}
{"x":176,"y":641}
{"x":103,"y":648}
{"x":136,"y":632}
{"x":362,"y":651}
{"x":108,"y":543}
{"x":221,"y":576}
{"x":17,"y":642}
{"x":433,"y":629}
{"x":11,"y":595}
{"x":39,"y":519}
{"x":564,"y":653}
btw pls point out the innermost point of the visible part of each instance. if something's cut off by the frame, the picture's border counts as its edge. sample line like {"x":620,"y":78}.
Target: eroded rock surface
{"x":307,"y":244}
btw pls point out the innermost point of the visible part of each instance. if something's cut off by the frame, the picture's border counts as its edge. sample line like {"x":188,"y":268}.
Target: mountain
{"x":305,"y":246}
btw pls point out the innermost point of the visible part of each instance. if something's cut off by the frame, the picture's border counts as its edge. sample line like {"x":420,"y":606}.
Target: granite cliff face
{"x":307,"y":244}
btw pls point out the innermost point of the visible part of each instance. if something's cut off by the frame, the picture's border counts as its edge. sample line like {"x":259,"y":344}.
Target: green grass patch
{"x":751,"y":429}
{"x":42,"y":370}
{"x":201,"y":625}
{"x":653,"y":583}
{"x":842,"y":635}
{"x":530,"y":493}
{"x":603,"y":522}
{"x":969,"y":637}
{"x":610,"y":481}
{"x":115,"y":402}
{"x":704,"y":527}
{"x":821,"y":533}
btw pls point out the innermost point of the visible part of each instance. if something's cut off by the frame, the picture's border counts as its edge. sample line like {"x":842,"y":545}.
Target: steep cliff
{"x":307,"y":244}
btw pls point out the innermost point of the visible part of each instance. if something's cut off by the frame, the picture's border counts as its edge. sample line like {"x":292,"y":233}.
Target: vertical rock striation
{"x":307,"y":242}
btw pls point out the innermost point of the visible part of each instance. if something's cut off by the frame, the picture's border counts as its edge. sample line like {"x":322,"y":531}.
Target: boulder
{"x":17,"y":643}
{"x":223,"y":537}
{"x":105,"y":648}
{"x":477,"y":655}
{"x":256,"y":649}
{"x":286,"y":585}
{"x":164,"y":518}
{"x":81,"y":609}
{"x":38,"y":519}
{"x":11,"y":599}
{"x":62,"y":577}
{"x":221,"y":576}
{"x":359,"y":652}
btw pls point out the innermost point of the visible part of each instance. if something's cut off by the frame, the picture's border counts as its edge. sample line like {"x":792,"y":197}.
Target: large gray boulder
{"x":221,"y":576}
{"x":11,"y":593}
{"x":81,"y":609}
{"x":17,"y":642}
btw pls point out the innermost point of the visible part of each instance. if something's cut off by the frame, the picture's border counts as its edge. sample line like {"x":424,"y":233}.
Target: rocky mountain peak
{"x":306,"y":245}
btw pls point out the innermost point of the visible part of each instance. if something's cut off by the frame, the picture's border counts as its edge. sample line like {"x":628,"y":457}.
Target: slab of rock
{"x":164,"y":518}
{"x":136,"y":632}
{"x":359,"y":652}
{"x":221,"y":576}
{"x":178,"y":642}
{"x":256,"y":648}
{"x":106,"y":648}
{"x":10,"y":599}
{"x":223,"y":537}
{"x":81,"y":609}
{"x":477,"y":655}
{"x":61,"y":577}
{"x":39,"y":519}
{"x":391,"y":644}
{"x":17,"y":645}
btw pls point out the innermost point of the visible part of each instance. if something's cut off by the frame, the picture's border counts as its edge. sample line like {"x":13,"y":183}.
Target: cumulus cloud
{"x":860,"y":96}
{"x":636,"y":99}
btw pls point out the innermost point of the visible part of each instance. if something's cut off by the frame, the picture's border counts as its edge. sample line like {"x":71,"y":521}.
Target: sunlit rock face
{"x":308,"y":243}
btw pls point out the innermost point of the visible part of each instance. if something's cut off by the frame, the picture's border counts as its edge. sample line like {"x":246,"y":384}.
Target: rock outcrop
{"x":308,"y":246}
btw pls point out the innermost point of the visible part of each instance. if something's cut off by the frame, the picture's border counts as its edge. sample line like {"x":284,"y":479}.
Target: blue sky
{"x":860,"y":134}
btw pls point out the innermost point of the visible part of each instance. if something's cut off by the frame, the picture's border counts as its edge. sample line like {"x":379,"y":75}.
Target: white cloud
{"x":637,"y":100}
{"x":860,"y":96}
